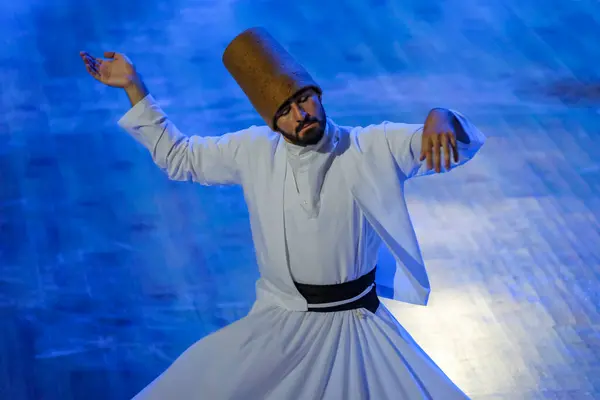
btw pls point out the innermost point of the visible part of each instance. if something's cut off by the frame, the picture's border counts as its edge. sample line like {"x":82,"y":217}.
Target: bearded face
{"x":302,"y":120}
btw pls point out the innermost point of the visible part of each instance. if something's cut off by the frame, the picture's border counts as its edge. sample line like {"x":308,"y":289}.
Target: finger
{"x":88,"y":59}
{"x":92,"y":72}
{"x":436,"y":153}
{"x":426,"y":152}
{"x":429,"y":157}
{"x":446,"y":149}
{"x":88,"y":56}
{"x":454,"y":147}
{"x":91,"y":63}
{"x":109,"y":54}
{"x":95,"y":62}
{"x":425,"y":145}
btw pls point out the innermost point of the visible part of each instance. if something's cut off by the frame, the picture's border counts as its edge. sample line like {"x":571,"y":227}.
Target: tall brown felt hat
{"x":265,"y":71}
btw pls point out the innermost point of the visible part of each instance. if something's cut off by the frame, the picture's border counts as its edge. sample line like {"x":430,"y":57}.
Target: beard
{"x":312,"y":134}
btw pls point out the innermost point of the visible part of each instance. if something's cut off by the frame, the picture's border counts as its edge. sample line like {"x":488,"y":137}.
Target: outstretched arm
{"x":203,"y":159}
{"x":446,"y":140}
{"x":206,"y":160}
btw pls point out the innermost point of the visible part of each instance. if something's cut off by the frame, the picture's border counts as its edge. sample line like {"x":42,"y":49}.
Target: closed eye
{"x":284,"y":111}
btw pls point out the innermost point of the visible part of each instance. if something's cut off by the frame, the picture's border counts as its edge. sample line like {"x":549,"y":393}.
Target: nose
{"x":298,"y":113}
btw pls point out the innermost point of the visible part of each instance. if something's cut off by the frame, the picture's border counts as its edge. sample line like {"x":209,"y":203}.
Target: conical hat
{"x":265,"y":71}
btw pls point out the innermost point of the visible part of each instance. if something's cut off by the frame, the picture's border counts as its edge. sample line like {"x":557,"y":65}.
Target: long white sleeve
{"x":404,"y":141}
{"x":204,"y":159}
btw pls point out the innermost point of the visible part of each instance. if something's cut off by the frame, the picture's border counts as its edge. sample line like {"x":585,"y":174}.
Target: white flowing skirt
{"x":277,"y":354}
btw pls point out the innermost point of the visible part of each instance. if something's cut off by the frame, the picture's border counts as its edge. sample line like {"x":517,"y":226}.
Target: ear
{"x":275,"y":126}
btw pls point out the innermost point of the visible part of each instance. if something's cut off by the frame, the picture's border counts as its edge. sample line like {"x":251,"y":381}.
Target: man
{"x":330,"y":227}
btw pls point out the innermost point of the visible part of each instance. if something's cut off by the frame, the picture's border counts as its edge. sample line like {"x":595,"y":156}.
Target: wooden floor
{"x":108,"y":271}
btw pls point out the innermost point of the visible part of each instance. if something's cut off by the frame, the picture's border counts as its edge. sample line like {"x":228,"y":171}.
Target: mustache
{"x":307,"y":121}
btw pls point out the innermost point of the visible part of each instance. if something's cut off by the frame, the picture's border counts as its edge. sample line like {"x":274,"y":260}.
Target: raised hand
{"x":439,"y":139}
{"x":115,"y":70}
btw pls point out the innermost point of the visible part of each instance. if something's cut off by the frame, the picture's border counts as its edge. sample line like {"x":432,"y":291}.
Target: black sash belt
{"x":316,"y":295}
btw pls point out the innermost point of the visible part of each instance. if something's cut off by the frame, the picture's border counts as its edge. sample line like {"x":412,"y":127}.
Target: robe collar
{"x":309,"y":166}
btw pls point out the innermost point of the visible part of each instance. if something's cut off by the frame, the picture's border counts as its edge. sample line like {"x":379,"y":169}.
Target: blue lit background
{"x":108,"y":271}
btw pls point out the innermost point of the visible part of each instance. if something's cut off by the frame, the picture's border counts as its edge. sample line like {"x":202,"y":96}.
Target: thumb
{"x":110,"y":54}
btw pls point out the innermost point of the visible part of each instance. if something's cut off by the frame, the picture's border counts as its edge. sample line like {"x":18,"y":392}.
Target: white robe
{"x":318,"y":215}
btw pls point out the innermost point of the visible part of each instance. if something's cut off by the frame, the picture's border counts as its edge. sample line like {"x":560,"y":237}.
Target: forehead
{"x":297,"y":96}
{"x":308,"y":91}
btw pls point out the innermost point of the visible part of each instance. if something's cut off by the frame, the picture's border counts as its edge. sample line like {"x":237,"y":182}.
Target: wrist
{"x":135,"y":83}
{"x":136,"y":90}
